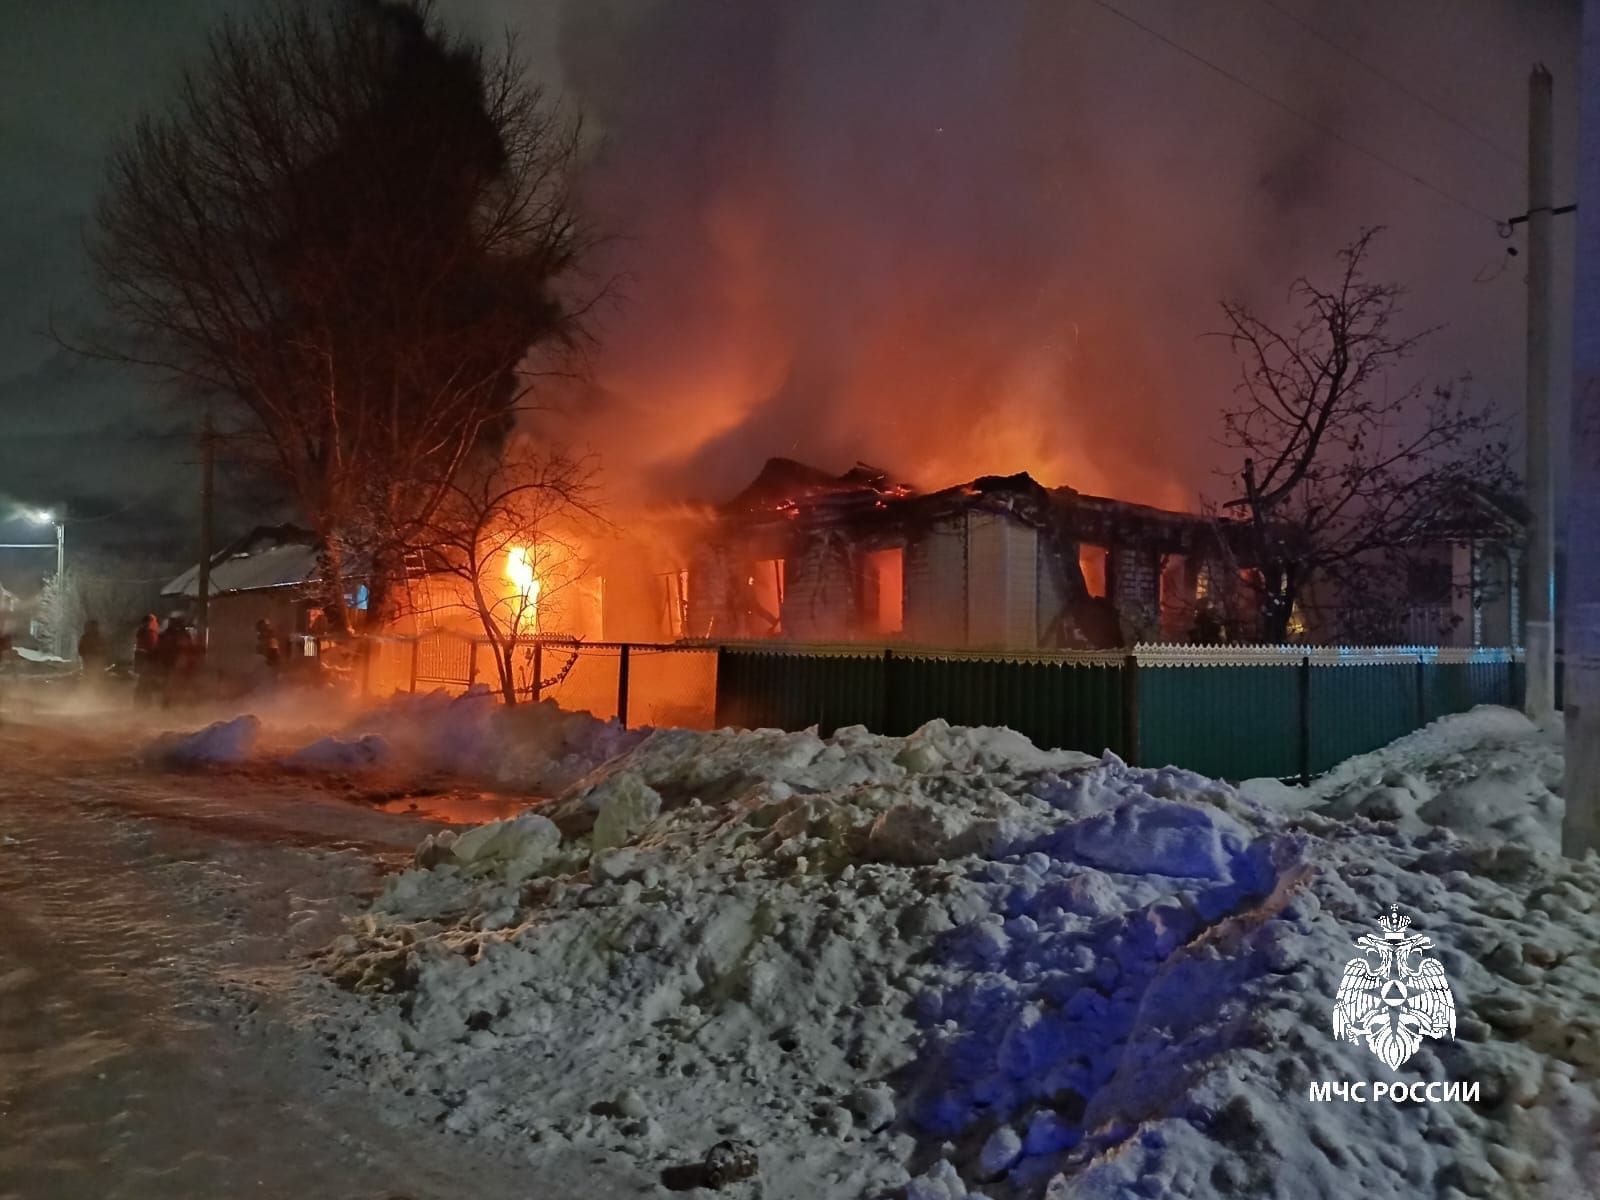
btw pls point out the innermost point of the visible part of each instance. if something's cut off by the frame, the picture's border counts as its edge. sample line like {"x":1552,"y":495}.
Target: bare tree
{"x":504,"y":529}
{"x":1338,"y":467}
{"x":113,"y":592}
{"x":350,"y":228}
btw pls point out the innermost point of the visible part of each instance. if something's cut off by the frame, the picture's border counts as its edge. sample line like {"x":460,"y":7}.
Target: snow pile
{"x":222,"y":743}
{"x":952,"y":964}
{"x":341,"y":754}
{"x":538,"y":749}
{"x":1487,"y":775}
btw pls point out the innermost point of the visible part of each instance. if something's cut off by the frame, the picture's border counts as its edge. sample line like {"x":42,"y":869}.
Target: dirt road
{"x":143,"y":916}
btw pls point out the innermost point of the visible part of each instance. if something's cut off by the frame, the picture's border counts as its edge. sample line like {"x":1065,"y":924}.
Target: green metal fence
{"x":1056,"y":700}
{"x":1230,"y":711}
{"x":1216,"y":718}
{"x":791,"y":689}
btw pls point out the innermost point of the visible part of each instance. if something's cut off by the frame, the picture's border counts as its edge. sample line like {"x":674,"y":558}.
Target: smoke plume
{"x":952,"y":238}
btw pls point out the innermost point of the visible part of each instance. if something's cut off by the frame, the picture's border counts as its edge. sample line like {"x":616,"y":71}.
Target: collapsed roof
{"x":863,"y":499}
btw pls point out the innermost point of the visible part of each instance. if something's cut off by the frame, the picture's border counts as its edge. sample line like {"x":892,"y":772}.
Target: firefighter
{"x":267,"y":644}
{"x":146,"y":669}
{"x":175,"y":660}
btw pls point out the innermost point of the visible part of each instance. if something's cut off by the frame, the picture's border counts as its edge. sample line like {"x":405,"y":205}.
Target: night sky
{"x":946,"y":237}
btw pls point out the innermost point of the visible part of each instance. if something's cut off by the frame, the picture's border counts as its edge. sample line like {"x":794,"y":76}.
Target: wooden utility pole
{"x":208,"y":458}
{"x":1581,"y":830}
{"x":1540,"y":638}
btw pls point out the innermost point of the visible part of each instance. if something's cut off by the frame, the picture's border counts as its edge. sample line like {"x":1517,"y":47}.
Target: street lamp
{"x":43,"y":516}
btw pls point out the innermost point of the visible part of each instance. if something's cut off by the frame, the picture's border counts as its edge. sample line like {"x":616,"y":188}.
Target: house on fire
{"x":1000,"y":562}
{"x":1003,"y":562}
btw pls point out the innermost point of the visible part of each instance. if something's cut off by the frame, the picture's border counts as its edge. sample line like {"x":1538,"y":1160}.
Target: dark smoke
{"x":952,"y":238}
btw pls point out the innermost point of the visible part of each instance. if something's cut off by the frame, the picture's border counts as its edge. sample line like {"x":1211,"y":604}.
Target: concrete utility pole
{"x":1581,"y":830}
{"x":1540,"y":639}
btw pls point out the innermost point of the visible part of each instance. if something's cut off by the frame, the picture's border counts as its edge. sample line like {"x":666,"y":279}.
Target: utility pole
{"x":1580,"y":831}
{"x":208,"y":455}
{"x":1540,"y":641}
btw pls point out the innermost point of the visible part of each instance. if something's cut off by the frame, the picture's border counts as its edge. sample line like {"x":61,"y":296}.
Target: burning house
{"x":999,"y":562}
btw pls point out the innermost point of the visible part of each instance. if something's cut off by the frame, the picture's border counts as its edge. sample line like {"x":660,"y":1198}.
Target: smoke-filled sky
{"x":955,"y":238}
{"x":944,"y":237}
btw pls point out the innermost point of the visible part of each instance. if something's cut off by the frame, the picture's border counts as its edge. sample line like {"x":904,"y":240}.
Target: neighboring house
{"x":998,"y":562}
{"x":1458,"y":583}
{"x":1486,"y":533}
{"x":271,"y":574}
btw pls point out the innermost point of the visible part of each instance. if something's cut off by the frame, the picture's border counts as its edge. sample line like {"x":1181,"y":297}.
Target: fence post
{"x":719,"y":709}
{"x":1305,"y":720}
{"x":1422,"y":691}
{"x":416,"y":649}
{"x":1130,"y":709}
{"x":887,"y":697}
{"x":622,"y":687}
{"x":538,"y":670}
{"x":472,"y":663}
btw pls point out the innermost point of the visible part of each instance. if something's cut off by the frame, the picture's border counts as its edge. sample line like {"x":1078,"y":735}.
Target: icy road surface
{"x":141,"y":915}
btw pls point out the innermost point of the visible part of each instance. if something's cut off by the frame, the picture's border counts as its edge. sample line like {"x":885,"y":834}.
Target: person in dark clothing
{"x":267,"y":644}
{"x":146,"y":640}
{"x":1207,"y":629}
{"x":92,"y":651}
{"x":175,"y":660}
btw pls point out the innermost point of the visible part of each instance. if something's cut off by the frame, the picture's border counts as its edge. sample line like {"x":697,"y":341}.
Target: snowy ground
{"x":152,"y":930}
{"x":951,"y":964}
{"x":927,"y":967}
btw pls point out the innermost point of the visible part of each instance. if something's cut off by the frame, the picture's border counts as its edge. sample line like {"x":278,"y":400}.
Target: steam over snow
{"x":536,"y":749}
{"x":953,"y":964}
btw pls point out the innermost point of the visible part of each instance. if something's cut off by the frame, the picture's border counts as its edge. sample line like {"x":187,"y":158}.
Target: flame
{"x":519,"y":570}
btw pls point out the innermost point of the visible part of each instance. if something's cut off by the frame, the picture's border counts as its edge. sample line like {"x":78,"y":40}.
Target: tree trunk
{"x":380,"y":585}
{"x":504,"y":652}
{"x":332,"y":563}
{"x":1277,"y":605}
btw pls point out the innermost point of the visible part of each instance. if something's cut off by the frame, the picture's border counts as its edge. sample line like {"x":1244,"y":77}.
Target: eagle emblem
{"x":1393,"y":997}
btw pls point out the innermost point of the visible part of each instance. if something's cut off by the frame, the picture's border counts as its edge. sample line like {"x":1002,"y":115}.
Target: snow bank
{"x":952,"y":964}
{"x":535,"y":749}
{"x":222,"y":743}
{"x":1486,"y":775}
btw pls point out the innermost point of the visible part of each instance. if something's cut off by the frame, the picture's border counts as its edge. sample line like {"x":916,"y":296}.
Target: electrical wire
{"x":1399,"y":85}
{"x":1315,"y":123}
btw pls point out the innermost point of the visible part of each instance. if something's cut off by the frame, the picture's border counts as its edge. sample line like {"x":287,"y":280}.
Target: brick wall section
{"x":1002,"y":582}
{"x":709,"y":606}
{"x":1136,"y":592}
{"x":819,"y":603}
{"x":936,"y":586}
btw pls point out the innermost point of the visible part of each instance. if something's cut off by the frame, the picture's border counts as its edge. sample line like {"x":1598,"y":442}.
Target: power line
{"x":1319,"y":125}
{"x":1399,"y":85}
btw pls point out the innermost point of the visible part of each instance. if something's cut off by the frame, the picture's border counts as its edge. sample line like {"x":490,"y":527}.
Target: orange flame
{"x":519,"y":570}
